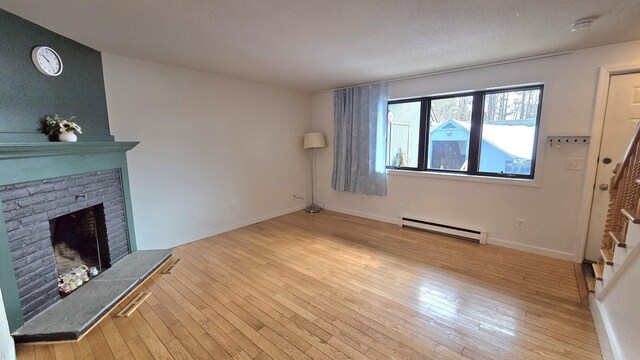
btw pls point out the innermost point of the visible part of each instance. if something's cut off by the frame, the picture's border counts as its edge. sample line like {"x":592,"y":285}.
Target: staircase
{"x":623,"y":214}
{"x":617,"y":273}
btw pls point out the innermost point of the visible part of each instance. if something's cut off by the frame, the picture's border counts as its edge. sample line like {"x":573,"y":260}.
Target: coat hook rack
{"x":558,"y":140}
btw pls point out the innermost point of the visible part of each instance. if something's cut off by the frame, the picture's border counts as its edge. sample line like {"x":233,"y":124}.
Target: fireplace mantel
{"x":40,"y":149}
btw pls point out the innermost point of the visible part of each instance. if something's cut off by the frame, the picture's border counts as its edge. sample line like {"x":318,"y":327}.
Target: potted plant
{"x":65,"y":128}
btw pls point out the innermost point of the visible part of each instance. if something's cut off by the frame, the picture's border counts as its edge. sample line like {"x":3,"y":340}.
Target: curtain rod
{"x":473,"y":67}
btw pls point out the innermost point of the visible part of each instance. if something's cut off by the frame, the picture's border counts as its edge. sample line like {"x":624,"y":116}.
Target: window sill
{"x":465,"y":177}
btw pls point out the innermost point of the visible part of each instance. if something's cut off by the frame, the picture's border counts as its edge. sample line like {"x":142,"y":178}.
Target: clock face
{"x":47,"y":60}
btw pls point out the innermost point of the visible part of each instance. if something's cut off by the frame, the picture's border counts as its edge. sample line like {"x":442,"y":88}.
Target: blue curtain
{"x":360,"y":140}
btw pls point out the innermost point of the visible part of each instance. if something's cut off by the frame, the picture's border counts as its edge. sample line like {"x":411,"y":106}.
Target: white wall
{"x":216,"y":153}
{"x":550,"y":207}
{"x":7,"y":350}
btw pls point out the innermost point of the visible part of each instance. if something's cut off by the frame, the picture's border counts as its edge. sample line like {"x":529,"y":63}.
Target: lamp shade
{"x":314,"y":140}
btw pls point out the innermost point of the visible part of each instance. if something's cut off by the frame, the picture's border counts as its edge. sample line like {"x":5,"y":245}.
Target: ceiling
{"x":321,"y":44}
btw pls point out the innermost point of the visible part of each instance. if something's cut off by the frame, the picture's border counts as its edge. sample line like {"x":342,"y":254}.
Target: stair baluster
{"x":624,"y":193}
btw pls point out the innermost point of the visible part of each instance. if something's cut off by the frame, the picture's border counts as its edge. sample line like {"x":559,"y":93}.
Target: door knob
{"x":604,"y":187}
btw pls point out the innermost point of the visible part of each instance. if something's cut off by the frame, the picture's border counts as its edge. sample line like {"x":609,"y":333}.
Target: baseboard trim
{"x":532,"y":249}
{"x":498,"y":242}
{"x":603,"y":330}
{"x":227,"y":228}
{"x":395,"y":221}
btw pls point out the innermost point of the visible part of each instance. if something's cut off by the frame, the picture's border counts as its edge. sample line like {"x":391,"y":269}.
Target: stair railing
{"x":624,"y":192}
{"x":624,"y":208}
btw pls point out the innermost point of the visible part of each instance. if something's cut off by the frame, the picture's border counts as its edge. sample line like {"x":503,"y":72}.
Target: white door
{"x":620,"y":121}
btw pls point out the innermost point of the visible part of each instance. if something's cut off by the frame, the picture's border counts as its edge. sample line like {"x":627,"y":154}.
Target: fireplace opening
{"x":80,"y":238}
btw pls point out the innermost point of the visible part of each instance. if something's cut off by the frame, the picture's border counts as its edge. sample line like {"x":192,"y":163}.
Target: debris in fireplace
{"x":64,"y":288}
{"x":69,"y":282}
{"x":93,"y":271}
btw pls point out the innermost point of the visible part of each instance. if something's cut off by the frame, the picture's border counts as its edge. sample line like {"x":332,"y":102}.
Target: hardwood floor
{"x":333,"y":286}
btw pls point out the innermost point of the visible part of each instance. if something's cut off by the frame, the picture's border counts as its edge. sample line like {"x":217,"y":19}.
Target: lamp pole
{"x":313,"y":208}
{"x":313,"y":141}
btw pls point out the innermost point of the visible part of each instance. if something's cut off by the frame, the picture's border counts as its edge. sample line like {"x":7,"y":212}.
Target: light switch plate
{"x":574,"y":164}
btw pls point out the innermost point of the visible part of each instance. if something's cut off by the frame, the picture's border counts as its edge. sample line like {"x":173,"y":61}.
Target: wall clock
{"x":46,"y":60}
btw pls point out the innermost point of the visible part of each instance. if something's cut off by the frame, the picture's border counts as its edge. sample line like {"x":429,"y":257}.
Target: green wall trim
{"x":126,"y":190}
{"x":32,"y":162}
{"x":12,"y":137}
{"x":8,"y":281}
{"x":27,"y":150}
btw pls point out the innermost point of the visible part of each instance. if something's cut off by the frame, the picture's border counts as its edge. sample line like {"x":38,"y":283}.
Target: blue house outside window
{"x":503,"y":148}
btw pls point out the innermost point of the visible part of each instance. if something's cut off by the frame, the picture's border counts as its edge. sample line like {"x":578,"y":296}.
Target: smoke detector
{"x":582,"y":24}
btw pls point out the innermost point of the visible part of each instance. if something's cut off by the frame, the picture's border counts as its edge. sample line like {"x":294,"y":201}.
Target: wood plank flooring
{"x":333,"y":286}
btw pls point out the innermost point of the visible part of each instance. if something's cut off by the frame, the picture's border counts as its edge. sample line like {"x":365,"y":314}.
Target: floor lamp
{"x":313,"y":141}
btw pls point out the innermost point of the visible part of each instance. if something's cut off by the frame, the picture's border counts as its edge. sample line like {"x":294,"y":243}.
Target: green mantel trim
{"x":27,"y":150}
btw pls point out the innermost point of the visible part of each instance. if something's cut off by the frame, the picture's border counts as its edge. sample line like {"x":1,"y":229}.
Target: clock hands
{"x":48,"y":61}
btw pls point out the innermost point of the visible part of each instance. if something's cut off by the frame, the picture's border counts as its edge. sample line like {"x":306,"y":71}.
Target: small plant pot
{"x":67,"y":136}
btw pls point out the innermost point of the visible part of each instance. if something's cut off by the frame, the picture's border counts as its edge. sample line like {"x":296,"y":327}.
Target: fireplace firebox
{"x":80,"y":238}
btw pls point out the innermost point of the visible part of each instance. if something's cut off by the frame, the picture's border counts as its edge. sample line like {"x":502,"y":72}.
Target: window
{"x":403,"y":134}
{"x":489,"y":133}
{"x":449,"y":124}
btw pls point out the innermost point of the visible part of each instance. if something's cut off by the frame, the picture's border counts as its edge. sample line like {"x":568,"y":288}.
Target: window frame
{"x":421,"y":140}
{"x":475,"y":133}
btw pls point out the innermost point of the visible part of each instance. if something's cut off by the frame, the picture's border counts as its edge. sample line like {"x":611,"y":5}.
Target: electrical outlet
{"x":520,"y":224}
{"x":232,"y":209}
{"x":574,"y":164}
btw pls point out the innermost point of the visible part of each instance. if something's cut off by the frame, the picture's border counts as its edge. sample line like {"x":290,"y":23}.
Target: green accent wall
{"x":27,"y":95}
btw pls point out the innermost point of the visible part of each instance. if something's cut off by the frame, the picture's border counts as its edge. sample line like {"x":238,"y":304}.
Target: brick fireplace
{"x":41,"y":181}
{"x":29,"y":209}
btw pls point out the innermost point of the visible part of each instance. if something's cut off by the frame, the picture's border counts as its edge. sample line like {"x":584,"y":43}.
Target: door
{"x":620,"y":121}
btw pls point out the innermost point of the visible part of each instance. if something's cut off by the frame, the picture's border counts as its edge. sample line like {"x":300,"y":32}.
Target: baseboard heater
{"x":464,"y":233}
